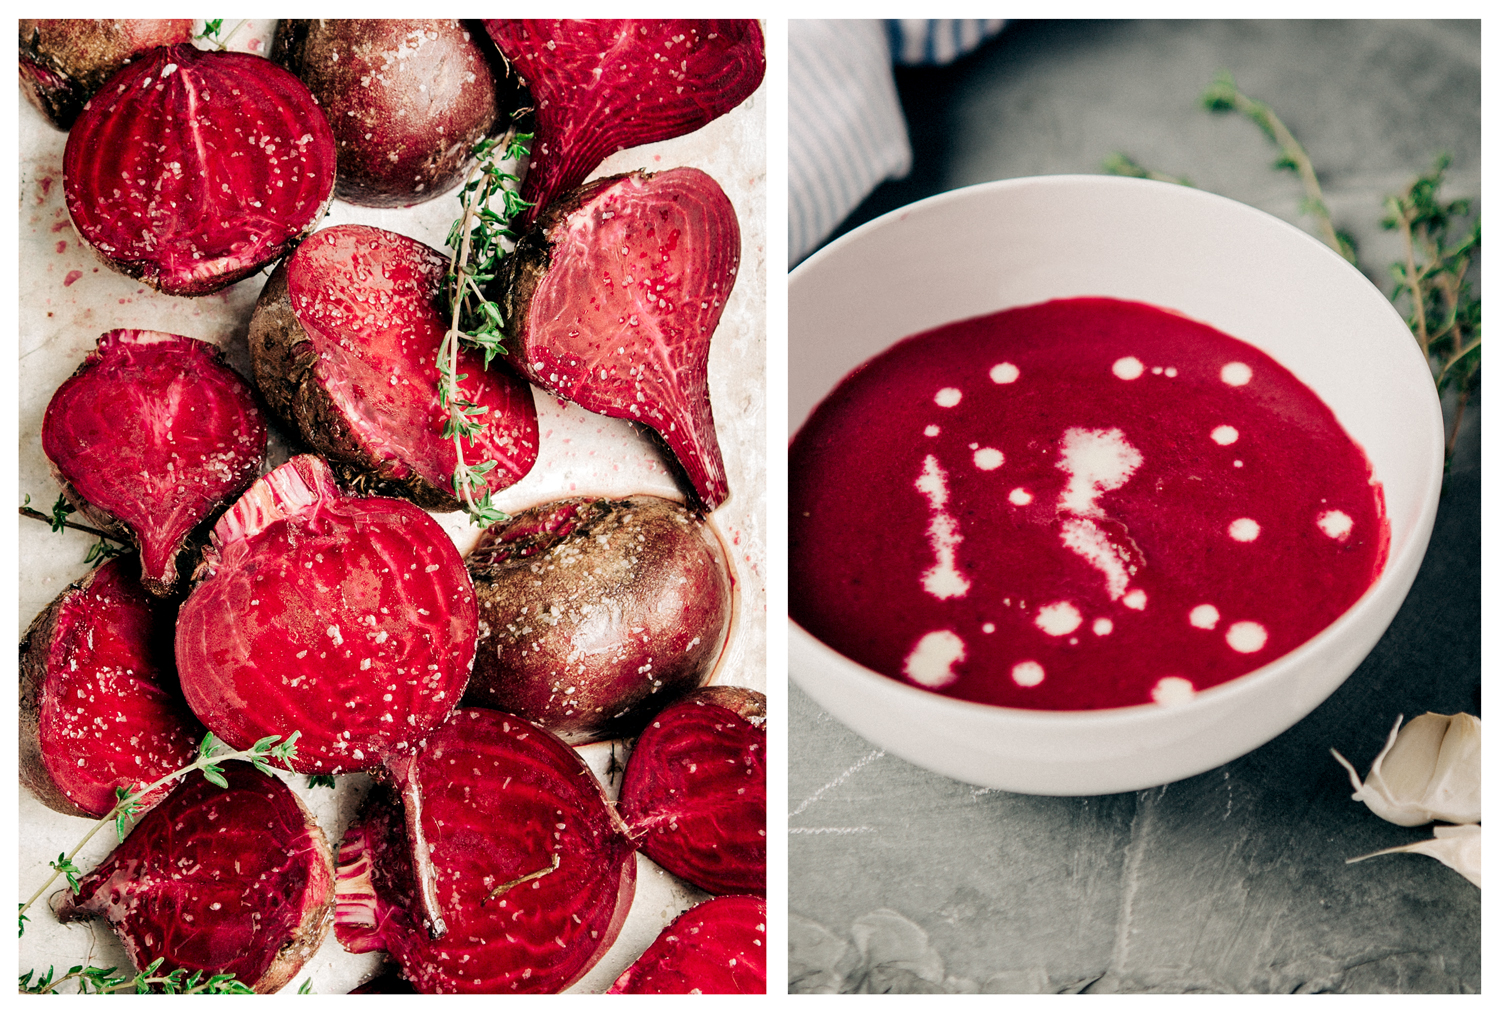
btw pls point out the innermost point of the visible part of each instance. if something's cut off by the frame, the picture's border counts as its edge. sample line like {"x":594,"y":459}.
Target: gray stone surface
{"x":1235,"y":880}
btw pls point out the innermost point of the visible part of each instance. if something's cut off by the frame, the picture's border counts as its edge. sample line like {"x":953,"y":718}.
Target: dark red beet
{"x":192,"y":169}
{"x":694,"y":793}
{"x":65,"y":60}
{"x":487,"y":800}
{"x":348,"y":619}
{"x":100,"y":707}
{"x":613,"y":298}
{"x":716,"y":948}
{"x":595,"y":613}
{"x":235,"y":880}
{"x":344,"y":341}
{"x":407,"y":100}
{"x":149,"y":437}
{"x":603,"y":86}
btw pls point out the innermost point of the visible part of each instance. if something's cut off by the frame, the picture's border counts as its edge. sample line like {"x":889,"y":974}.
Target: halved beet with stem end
{"x":192,"y":169}
{"x":596,"y":613}
{"x":500,"y":868}
{"x":344,"y":341}
{"x":694,"y":793}
{"x":350,"y":620}
{"x":613,"y":298}
{"x":716,"y":948}
{"x":407,"y":100}
{"x":235,"y":880}
{"x":150,"y":436}
{"x":603,"y":86}
{"x":65,"y":60}
{"x":100,"y":706}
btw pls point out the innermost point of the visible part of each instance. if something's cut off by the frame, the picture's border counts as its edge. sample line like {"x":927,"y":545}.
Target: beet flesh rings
{"x":716,"y":948}
{"x":235,"y":880}
{"x":530,"y":869}
{"x":613,"y":298}
{"x":603,"y":86}
{"x":349,"y":620}
{"x":148,"y":437}
{"x":191,"y":169}
{"x":345,"y":340}
{"x":100,"y":708}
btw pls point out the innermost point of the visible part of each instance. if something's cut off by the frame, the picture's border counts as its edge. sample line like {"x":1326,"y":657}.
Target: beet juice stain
{"x":1079,"y":504}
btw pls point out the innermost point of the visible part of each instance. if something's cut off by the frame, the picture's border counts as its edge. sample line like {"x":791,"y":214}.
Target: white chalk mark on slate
{"x":874,"y":755}
{"x":1141,"y":827}
{"x":831,"y":830}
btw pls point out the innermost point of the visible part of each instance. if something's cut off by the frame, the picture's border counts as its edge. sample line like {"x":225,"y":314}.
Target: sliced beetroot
{"x":613,"y":298}
{"x":501,"y":869}
{"x":150,"y":436}
{"x":344,"y":342}
{"x":348,"y":619}
{"x":235,"y":880}
{"x":716,"y":948}
{"x":65,"y":60}
{"x":596,"y":613}
{"x":602,"y":86}
{"x":191,"y":169}
{"x":694,"y":793}
{"x":100,"y":706}
{"x":407,"y":98}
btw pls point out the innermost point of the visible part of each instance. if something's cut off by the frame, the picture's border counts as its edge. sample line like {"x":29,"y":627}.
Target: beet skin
{"x":595,"y":613}
{"x":65,"y":60}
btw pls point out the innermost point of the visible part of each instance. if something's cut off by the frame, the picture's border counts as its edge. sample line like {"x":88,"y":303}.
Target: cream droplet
{"x":1172,"y":690}
{"x":931,"y":663}
{"x":1128,"y":368}
{"x":988,"y":458}
{"x":1004,"y":372}
{"x":1224,"y":435}
{"x":948,"y":397}
{"x":1236,"y":374}
{"x":1028,"y":674}
{"x":1244,"y":530}
{"x":1205,"y":617}
{"x":1246,"y":637}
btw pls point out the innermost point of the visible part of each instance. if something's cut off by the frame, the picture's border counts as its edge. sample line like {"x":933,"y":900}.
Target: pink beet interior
{"x":351,"y":620}
{"x":367,"y":300}
{"x":622,"y":320}
{"x":157,"y":432}
{"x":193,"y":168}
{"x":605,"y":85}
{"x":716,"y":948}
{"x":1080,"y":504}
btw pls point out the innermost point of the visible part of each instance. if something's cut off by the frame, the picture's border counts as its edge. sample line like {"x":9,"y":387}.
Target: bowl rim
{"x":1399,"y":567}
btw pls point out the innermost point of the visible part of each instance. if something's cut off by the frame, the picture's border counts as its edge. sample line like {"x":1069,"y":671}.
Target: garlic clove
{"x":1455,"y":847}
{"x":1427,"y":771}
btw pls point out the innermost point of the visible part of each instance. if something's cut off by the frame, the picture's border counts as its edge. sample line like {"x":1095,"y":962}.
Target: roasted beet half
{"x":718,"y":947}
{"x":603,"y":86}
{"x":150,"y":436}
{"x":694,"y":794}
{"x":192,"y":169}
{"x":65,"y":60}
{"x":596,"y":613}
{"x":613,"y":298}
{"x":235,"y":880}
{"x":407,"y":100}
{"x":100,"y":707}
{"x":348,"y":619}
{"x":495,"y":866}
{"x":344,"y":342}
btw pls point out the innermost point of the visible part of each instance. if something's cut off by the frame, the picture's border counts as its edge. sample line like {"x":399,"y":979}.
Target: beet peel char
{"x":601,"y":86}
{"x":149,"y":437}
{"x":191,"y":169}
{"x":694,"y":793}
{"x":100,"y":705}
{"x":494,"y":866}
{"x":235,"y":880}
{"x":350,"y":619}
{"x":715,"y":948}
{"x":613,"y":297}
{"x":344,"y":342}
{"x":596,"y":613}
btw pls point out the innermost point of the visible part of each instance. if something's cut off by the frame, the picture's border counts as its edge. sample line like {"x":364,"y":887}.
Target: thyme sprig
{"x":100,"y":980}
{"x":479,"y":241}
{"x":107,"y":547}
{"x":211,"y":757}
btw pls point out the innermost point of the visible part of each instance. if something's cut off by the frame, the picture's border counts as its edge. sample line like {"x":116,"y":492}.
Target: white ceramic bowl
{"x":1020,"y":241}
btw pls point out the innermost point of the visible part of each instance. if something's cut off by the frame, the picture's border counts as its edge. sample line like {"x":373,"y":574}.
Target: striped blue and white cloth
{"x":847,"y":134}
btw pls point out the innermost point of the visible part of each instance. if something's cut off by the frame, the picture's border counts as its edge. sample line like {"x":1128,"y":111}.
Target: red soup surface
{"x":1080,"y":504}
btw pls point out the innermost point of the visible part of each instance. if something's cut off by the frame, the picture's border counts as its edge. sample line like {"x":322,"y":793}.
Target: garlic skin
{"x":1427,"y":771}
{"x":1455,"y":847}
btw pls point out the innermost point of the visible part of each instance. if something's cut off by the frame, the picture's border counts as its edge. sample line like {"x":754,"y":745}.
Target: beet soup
{"x":1080,"y":504}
